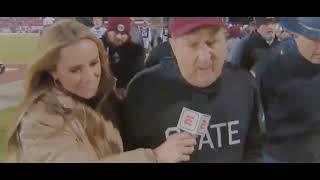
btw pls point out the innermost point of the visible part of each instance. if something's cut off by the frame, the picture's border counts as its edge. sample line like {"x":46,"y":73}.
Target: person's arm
{"x":176,"y":148}
{"x":44,"y":140}
{"x":264,"y":59}
{"x":134,"y":114}
{"x":136,"y":35}
{"x":260,"y":63}
{"x":140,"y":59}
{"x":161,"y":33}
{"x":258,"y":69}
{"x":135,"y":156}
{"x":152,"y":58}
{"x":150,"y":35}
{"x":138,"y":155}
{"x":254,"y":136}
{"x":246,"y":56}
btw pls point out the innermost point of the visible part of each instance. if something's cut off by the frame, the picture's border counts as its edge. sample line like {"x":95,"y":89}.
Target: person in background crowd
{"x":160,"y":53}
{"x":146,"y":35}
{"x":263,"y":38}
{"x":288,"y":42}
{"x":126,"y":57}
{"x":159,"y":40}
{"x":135,"y":33}
{"x":47,"y":21}
{"x":98,"y":29}
{"x":87,"y":21}
{"x":195,"y":78}
{"x":244,"y":31}
{"x":252,"y":27}
{"x":236,"y":51}
{"x":289,"y":86}
{"x":58,"y":119}
{"x":2,"y":67}
{"x":282,"y":34}
{"x":233,"y":37}
{"x":164,"y":34}
{"x":155,"y":33}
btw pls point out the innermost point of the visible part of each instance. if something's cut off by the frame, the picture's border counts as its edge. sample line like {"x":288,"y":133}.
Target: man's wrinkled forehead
{"x":194,"y":33}
{"x":268,"y":23}
{"x":97,"y":18}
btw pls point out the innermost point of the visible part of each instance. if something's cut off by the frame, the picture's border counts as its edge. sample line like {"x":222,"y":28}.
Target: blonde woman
{"x":58,"y":119}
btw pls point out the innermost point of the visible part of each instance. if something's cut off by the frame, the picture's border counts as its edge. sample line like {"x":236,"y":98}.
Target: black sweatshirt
{"x":160,"y":52}
{"x":157,"y":95}
{"x":290,"y":86}
{"x":125,"y":60}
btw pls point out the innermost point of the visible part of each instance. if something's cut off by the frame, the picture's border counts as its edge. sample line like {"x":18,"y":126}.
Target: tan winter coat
{"x":42,"y":133}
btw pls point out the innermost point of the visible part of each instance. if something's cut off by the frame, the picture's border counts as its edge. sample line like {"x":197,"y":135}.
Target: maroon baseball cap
{"x":119,"y":24}
{"x":179,"y":26}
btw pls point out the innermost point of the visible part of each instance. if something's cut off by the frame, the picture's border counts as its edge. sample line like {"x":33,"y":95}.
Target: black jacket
{"x":264,"y":55}
{"x":157,"y":95}
{"x":125,"y":61}
{"x":160,"y":52}
{"x":290,"y":87}
{"x":255,"y":42}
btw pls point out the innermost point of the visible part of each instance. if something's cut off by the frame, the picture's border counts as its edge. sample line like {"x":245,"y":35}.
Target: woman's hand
{"x":178,"y":147}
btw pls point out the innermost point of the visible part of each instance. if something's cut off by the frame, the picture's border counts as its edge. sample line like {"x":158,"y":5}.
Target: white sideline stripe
{"x":11,"y":69}
{"x":10,"y":93}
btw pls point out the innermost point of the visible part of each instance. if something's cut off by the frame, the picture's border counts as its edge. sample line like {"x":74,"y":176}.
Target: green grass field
{"x":14,"y":49}
{"x":6,"y":117}
{"x":17,"y":48}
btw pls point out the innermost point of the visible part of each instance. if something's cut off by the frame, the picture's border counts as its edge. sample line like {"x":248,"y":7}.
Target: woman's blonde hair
{"x":56,"y":37}
{"x":39,"y":79}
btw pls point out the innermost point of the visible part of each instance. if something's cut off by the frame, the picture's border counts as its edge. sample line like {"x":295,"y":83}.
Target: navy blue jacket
{"x":290,"y":86}
{"x":162,"y":51}
{"x":254,"y":43}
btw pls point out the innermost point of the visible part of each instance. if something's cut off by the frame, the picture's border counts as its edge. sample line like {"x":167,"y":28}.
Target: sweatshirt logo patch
{"x":193,"y":122}
{"x":213,"y":135}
